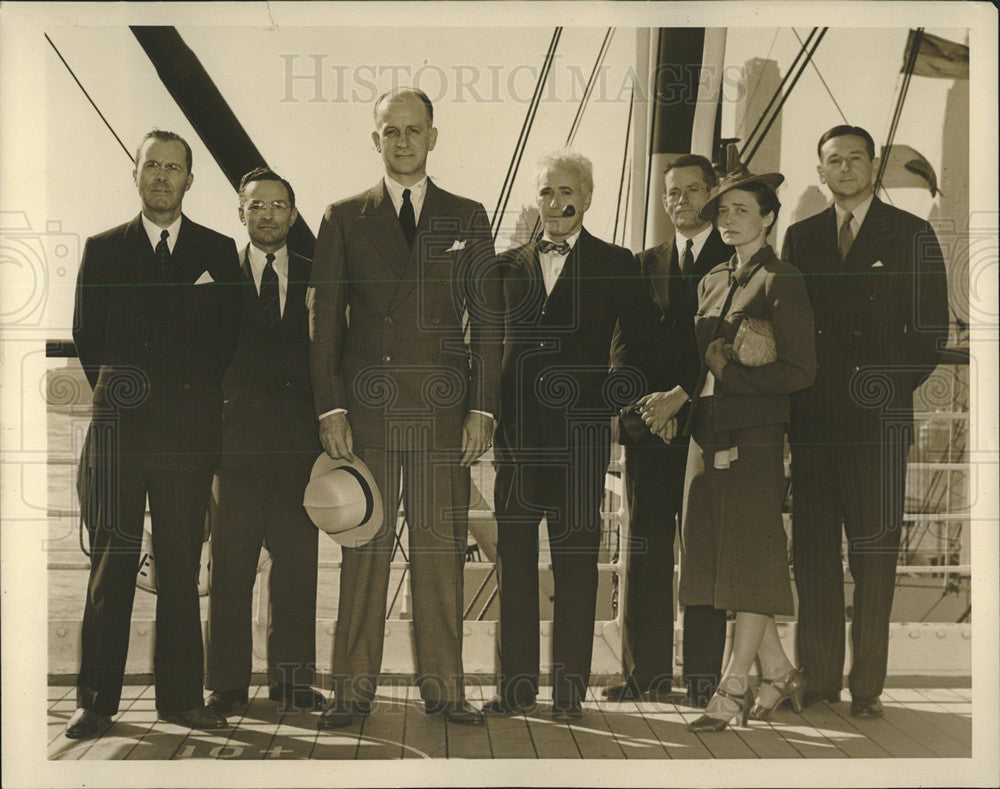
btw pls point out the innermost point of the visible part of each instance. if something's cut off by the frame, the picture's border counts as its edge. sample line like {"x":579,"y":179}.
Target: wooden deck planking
{"x":253,"y":728}
{"x":425,"y":735}
{"x":919,"y":723}
{"x":884,"y":733}
{"x":947,"y":719}
{"x":383,"y":730}
{"x":61,"y":693}
{"x":128,"y":728}
{"x":666,"y":721}
{"x":465,"y":741}
{"x":510,"y":737}
{"x":632,"y":732}
{"x":767,"y":741}
{"x":850,"y":742}
{"x":552,"y":739}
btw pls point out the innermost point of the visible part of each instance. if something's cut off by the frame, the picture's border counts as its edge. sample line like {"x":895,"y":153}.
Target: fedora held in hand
{"x":343,"y":500}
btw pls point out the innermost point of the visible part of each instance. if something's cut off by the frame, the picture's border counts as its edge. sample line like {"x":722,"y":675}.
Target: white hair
{"x":573,"y":161}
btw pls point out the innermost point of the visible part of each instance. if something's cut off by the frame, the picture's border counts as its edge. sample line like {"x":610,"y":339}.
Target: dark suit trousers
{"x":567,"y":489}
{"x":654,"y":484}
{"x":436,"y":503}
{"x":177,"y":503}
{"x":262,"y":503}
{"x":863,"y":488}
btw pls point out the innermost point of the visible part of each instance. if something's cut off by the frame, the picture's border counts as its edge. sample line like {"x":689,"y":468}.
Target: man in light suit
{"x":877,"y":284}
{"x":666,"y":354}
{"x":400,"y":385}
{"x":156,"y":322}
{"x":563,"y":293}
{"x":269,"y":443}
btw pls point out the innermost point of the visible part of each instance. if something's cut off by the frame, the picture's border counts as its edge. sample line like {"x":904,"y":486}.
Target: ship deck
{"x":925,"y":717}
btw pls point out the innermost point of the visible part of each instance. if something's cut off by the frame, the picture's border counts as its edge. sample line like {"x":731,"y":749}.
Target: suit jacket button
{"x":187,"y":386}
{"x":288,"y":383}
{"x":386,"y":358}
{"x":388,"y":320}
{"x":435,"y":321}
{"x":857,"y":334}
{"x":855,"y":369}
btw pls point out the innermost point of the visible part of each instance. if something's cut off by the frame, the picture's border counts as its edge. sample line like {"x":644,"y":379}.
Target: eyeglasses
{"x":260,"y":205}
{"x":171,"y":167}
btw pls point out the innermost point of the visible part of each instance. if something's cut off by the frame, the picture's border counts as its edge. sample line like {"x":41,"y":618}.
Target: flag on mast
{"x":937,"y":57}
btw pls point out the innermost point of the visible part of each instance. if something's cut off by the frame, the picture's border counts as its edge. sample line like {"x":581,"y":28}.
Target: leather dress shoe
{"x":571,"y":712}
{"x":223,"y":701}
{"x":498,"y":705}
{"x":810,"y":697}
{"x":297,"y":696}
{"x":86,"y":723}
{"x":867,"y":707}
{"x":455,"y":711}
{"x":197,"y":718}
{"x":626,"y":691}
{"x":337,"y":716}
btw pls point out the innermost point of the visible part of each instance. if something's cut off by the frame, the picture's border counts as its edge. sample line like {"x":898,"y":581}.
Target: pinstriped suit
{"x":666,"y":353}
{"x":401,"y":367}
{"x":880,"y":317}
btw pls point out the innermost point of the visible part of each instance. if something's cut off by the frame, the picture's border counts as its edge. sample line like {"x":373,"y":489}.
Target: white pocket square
{"x":204,"y":279}
{"x":456,"y":246}
{"x":878,"y":264}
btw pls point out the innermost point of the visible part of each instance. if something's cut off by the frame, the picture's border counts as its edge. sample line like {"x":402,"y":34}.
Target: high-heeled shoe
{"x":791,"y":687}
{"x":708,"y":723}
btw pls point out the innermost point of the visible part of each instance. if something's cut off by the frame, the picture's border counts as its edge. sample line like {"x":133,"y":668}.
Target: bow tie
{"x":546,"y":246}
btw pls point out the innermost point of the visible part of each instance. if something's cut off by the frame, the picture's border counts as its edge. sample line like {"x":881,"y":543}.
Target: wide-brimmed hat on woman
{"x":738,"y":179}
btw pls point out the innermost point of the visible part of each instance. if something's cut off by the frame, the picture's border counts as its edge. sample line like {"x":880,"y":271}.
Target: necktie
{"x":269,"y":298}
{"x":846,"y":237}
{"x":545,"y":246}
{"x":688,"y":263}
{"x":163,"y":251}
{"x":406,"y":218}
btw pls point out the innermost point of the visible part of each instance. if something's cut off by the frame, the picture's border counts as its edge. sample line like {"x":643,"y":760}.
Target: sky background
{"x":317,"y":133}
{"x":63,"y":177}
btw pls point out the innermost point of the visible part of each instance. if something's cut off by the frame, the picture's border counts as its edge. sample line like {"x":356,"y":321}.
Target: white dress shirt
{"x":552,"y":262}
{"x":858,"y":215}
{"x":417,"y":194}
{"x":680,"y":242}
{"x":153,"y":231}
{"x":258,"y":262}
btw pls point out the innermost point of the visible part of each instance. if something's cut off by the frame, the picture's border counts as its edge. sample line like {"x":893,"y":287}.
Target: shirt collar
{"x":153,"y":231}
{"x":258,"y":260}
{"x":859,"y":212}
{"x":417,"y":191}
{"x":680,"y":241}
{"x":571,"y":240}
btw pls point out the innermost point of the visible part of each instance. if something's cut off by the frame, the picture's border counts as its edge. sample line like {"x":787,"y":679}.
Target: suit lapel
{"x":872,"y":235}
{"x":298,"y":281}
{"x":379,"y":222}
{"x":410,"y":275}
{"x":658,"y":270}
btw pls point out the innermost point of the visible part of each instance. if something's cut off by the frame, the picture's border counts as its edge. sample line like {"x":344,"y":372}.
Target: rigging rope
{"x":625,"y":168}
{"x":508,"y":183}
{"x":92,"y":104}
{"x":585,"y":100}
{"x":777,"y":93}
{"x":828,"y":91}
{"x":784,"y":98}
{"x":908,"y":73}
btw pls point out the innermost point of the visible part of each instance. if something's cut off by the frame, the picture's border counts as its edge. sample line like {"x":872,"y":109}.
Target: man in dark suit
{"x":876,"y":279}
{"x":563,"y":293}
{"x":410,"y":385}
{"x":269,"y":443}
{"x":666,"y":354}
{"x":156,"y":322}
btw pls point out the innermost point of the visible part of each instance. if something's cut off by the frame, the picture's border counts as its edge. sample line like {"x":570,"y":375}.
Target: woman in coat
{"x":755,"y":332}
